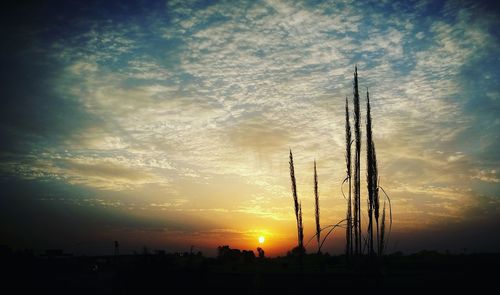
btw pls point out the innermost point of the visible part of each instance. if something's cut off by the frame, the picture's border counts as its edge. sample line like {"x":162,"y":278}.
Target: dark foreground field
{"x":428,"y":272}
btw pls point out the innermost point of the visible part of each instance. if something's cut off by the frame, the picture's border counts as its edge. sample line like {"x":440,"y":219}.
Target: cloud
{"x":108,"y":173}
{"x":487,"y":176}
{"x":259,"y":134}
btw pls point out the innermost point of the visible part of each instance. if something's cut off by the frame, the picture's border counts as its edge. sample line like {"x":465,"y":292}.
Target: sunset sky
{"x":168,"y":124}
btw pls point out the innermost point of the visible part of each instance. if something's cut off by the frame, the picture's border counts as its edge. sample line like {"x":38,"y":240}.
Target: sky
{"x":168,"y":124}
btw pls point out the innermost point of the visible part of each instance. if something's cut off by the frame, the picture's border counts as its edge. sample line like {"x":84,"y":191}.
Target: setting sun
{"x":262,"y":240}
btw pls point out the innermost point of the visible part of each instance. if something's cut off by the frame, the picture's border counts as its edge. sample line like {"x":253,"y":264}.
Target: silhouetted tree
{"x":261,"y":252}
{"x":227,"y":253}
{"x":248,"y":255}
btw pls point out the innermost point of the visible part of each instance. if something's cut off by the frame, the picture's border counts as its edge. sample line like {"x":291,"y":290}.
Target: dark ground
{"x":426,"y":271}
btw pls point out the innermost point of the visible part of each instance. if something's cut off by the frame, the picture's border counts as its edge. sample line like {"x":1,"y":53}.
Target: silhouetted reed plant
{"x":375,"y":242}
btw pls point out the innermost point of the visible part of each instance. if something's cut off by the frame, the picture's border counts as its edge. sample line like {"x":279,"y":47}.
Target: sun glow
{"x":262,"y":239}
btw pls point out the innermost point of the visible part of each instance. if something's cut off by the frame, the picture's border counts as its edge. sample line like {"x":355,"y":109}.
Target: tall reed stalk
{"x":348,"y":143}
{"x":297,"y":206}
{"x":369,"y":174}
{"x":372,"y":182}
{"x":357,"y":170}
{"x":301,"y":230}
{"x":381,"y":244}
{"x":316,"y":199}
